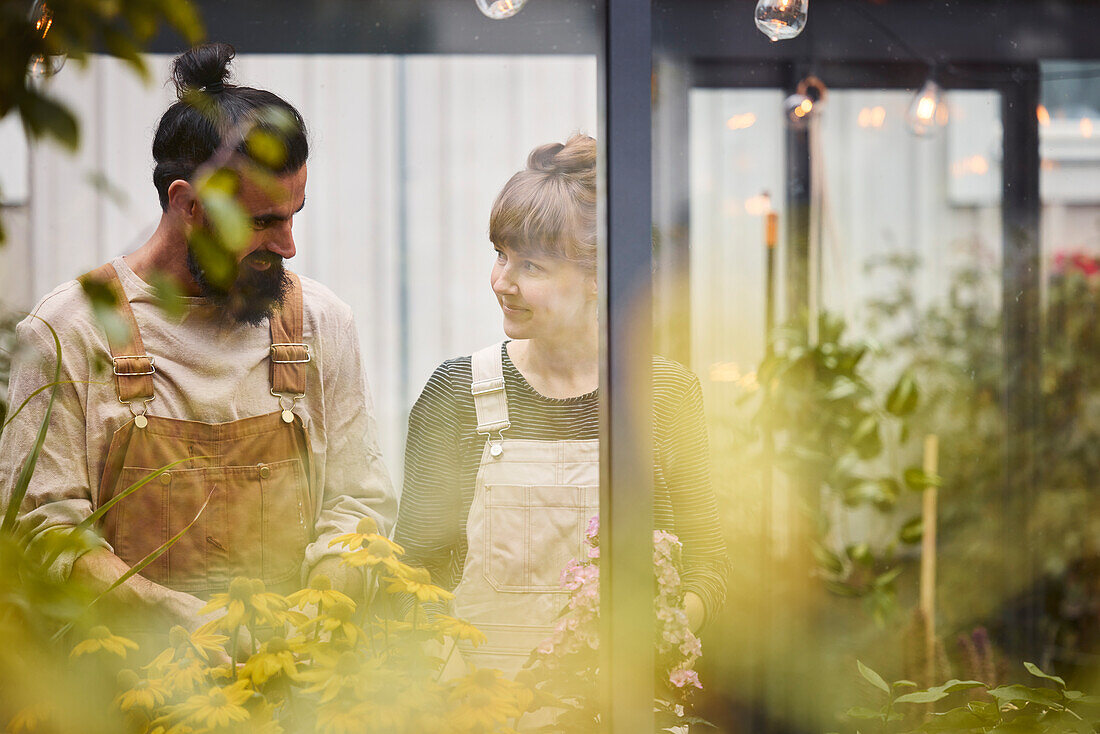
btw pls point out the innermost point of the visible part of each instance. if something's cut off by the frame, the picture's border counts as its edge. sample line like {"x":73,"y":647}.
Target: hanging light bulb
{"x":43,"y":65}
{"x":499,"y":9}
{"x":928,"y":112}
{"x":781,"y":19}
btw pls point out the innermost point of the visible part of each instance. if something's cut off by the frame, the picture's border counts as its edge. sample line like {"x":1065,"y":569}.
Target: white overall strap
{"x":487,"y":387}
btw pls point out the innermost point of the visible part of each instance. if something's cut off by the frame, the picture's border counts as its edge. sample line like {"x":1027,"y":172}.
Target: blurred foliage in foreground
{"x":35,"y":44}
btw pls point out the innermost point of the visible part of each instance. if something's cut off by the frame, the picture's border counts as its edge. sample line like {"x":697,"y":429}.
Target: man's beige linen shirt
{"x":207,"y":370}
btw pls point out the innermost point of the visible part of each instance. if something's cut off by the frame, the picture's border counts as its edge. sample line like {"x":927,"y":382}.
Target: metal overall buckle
{"x":287,"y":408}
{"x":139,"y":418}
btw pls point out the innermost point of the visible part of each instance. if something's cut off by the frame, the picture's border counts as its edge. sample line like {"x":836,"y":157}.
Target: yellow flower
{"x":419,"y":582}
{"x":336,"y":617}
{"x":219,"y":706}
{"x":332,"y":673}
{"x":320,"y":592}
{"x":100,"y":638}
{"x":207,"y":643}
{"x":186,"y":675}
{"x":365,"y":531}
{"x":339,"y":718}
{"x":386,"y":714}
{"x":379,"y":551}
{"x":488,"y":681}
{"x":247,"y":603}
{"x":144,"y":694}
{"x":273,"y":658}
{"x":459,"y":629}
{"x":479,"y":712}
{"x":28,"y":718}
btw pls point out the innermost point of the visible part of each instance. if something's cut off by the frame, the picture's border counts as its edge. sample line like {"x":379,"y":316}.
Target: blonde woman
{"x":502,"y":458}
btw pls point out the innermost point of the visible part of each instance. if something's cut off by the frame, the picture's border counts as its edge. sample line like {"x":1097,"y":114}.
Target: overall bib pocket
{"x":265,"y":502}
{"x":532,"y":532}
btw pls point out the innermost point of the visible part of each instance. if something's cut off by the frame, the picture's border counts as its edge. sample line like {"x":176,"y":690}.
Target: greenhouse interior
{"x":783,"y":315}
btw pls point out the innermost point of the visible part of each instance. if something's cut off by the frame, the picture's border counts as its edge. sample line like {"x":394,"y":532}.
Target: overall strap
{"x":289,"y":355}
{"x":487,"y":387}
{"x":133,"y":367}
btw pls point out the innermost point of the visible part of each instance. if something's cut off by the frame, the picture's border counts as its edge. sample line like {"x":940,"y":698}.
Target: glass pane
{"x":899,"y":456}
{"x":1070,"y":186}
{"x":870,"y":457}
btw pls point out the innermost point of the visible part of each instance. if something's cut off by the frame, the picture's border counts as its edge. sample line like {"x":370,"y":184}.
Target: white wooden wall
{"x":468,"y":124}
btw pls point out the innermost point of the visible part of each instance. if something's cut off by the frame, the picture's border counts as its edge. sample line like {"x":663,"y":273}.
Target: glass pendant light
{"x":928,"y":111}
{"x":781,"y":19}
{"x":41,"y":66}
{"x":498,"y":9}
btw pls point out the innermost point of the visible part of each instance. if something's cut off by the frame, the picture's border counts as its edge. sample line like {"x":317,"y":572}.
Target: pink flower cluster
{"x":576,"y":634}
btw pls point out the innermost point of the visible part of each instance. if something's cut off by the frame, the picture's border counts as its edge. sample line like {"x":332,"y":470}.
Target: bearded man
{"x":255,"y":382}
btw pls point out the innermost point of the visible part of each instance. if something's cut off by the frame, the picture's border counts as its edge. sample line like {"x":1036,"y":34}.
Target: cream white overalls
{"x":531,"y":505}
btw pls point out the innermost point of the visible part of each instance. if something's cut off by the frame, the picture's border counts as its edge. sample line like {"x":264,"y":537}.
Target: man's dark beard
{"x":253,"y":296}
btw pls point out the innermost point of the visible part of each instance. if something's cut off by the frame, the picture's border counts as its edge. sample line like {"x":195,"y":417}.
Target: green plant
{"x":820,"y":421}
{"x":979,"y":708}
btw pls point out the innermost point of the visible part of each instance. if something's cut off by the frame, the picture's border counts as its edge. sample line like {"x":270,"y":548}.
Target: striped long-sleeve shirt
{"x":443,"y":452}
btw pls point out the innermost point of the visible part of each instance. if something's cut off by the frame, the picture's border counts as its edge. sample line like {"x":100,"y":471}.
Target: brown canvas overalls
{"x":255,"y":472}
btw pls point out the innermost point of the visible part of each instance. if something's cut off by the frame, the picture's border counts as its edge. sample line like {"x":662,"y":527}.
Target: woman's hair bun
{"x":578,"y":155}
{"x":202,"y":66}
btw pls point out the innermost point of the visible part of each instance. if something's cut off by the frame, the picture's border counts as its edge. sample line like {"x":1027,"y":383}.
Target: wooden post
{"x":928,"y":559}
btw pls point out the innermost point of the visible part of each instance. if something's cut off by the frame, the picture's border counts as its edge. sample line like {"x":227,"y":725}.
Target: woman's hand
{"x":693,"y":605}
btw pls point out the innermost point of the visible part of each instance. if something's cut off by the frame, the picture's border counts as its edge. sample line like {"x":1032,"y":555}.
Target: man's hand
{"x":100,"y":568}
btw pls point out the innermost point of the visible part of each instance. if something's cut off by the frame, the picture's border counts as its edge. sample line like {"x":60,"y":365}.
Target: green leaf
{"x":957,"y":720}
{"x":1023,"y":694}
{"x":862,"y":712}
{"x":230,"y":222}
{"x":883,"y":493}
{"x":873,"y":678}
{"x":184,"y":17}
{"x":885,"y":579}
{"x":827,"y":559}
{"x":917,"y":480}
{"x":867,"y":439}
{"x":955,"y":685}
{"x":842,"y":589}
{"x":860,"y":553}
{"x":921,"y":697}
{"x":22,"y":482}
{"x":903,"y":398}
{"x":912,"y":531}
{"x":1034,"y":670}
{"x":266,"y":148}
{"x":44,"y":117}
{"x":168,"y":294}
{"x":121,"y":47}
{"x":1019,"y":726}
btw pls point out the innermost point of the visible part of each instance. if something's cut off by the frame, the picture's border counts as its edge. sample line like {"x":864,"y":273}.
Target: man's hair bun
{"x":202,"y":67}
